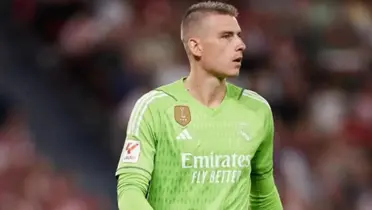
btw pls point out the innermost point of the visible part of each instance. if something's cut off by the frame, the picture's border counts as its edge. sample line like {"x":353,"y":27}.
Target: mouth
{"x":238,"y":60}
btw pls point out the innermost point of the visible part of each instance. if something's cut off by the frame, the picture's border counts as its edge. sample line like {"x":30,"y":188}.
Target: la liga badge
{"x":131,"y":151}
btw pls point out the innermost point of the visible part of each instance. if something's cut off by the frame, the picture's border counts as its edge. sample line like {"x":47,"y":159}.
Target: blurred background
{"x":70,"y":71}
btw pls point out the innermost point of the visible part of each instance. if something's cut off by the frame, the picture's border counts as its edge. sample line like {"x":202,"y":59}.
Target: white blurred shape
{"x":155,"y":52}
{"x":171,"y":74}
{"x":343,"y":60}
{"x":296,"y":172}
{"x":110,"y":13}
{"x":327,"y":110}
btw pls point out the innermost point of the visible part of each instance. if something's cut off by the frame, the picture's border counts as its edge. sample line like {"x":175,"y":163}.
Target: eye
{"x":226,"y":36}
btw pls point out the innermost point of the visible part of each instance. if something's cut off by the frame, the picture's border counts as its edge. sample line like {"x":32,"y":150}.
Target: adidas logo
{"x":184,"y":135}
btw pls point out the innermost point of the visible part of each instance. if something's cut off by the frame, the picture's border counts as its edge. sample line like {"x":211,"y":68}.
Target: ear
{"x":195,"y":47}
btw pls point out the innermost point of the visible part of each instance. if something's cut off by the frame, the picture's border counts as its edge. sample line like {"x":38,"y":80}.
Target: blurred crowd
{"x":310,"y":59}
{"x":28,"y":180}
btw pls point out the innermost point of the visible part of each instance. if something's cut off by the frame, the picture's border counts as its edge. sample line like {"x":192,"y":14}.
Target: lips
{"x":238,"y":60}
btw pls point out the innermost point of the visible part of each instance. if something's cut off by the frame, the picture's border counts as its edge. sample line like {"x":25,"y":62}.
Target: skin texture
{"x":214,"y":43}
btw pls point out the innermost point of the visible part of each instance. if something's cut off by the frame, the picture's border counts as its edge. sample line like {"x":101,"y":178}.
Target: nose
{"x":241,"y":45}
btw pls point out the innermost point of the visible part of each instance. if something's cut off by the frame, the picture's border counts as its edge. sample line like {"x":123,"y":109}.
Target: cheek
{"x":215,"y":59}
{"x":221,"y":58}
{"x":215,"y":55}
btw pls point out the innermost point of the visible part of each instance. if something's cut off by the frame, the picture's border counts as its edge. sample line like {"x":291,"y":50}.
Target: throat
{"x":209,"y":93}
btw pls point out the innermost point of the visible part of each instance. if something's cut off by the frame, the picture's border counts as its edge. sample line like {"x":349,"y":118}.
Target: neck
{"x":207,"y":89}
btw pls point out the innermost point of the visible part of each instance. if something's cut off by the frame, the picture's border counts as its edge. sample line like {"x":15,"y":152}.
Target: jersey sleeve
{"x":264,"y":194}
{"x":137,"y":159}
{"x":262,"y":163}
{"x":139,"y":146}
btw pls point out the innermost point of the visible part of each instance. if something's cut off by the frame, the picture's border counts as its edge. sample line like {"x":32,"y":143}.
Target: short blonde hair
{"x":196,"y":11}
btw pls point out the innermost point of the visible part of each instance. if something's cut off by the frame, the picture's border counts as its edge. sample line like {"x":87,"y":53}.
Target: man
{"x":201,"y":143}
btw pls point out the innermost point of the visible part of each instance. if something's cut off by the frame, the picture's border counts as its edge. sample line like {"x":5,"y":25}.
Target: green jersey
{"x":195,"y":157}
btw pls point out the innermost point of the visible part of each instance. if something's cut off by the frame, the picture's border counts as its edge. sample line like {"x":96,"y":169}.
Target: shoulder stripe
{"x":139,"y":109}
{"x":139,"y":104}
{"x":136,"y":131}
{"x":255,"y":96}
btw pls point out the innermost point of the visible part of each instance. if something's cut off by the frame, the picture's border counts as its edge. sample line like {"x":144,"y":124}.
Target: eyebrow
{"x":230,"y":32}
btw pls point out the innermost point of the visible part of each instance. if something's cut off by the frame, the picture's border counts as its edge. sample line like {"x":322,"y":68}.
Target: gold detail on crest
{"x":182,"y":115}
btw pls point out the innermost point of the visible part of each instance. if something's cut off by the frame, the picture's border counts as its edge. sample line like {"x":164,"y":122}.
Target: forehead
{"x":215,"y":23}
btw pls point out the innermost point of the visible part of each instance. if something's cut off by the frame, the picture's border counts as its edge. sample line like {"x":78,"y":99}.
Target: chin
{"x":227,"y":73}
{"x":232,"y":73}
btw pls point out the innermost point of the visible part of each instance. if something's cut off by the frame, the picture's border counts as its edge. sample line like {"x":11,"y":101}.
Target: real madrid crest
{"x":182,"y":115}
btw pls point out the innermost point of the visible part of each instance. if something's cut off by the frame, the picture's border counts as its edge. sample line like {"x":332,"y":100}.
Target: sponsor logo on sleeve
{"x":131,"y":151}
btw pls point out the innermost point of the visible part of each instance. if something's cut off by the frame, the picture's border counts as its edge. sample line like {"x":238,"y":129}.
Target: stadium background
{"x":70,"y":71}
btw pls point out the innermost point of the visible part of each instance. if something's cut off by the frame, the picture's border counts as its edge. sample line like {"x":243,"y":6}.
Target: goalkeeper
{"x":201,"y":143}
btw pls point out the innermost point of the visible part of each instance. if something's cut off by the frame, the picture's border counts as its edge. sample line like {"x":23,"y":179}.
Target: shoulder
{"x":254,"y":101}
{"x":152,"y":100}
{"x":250,"y":99}
{"x":160,"y":97}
